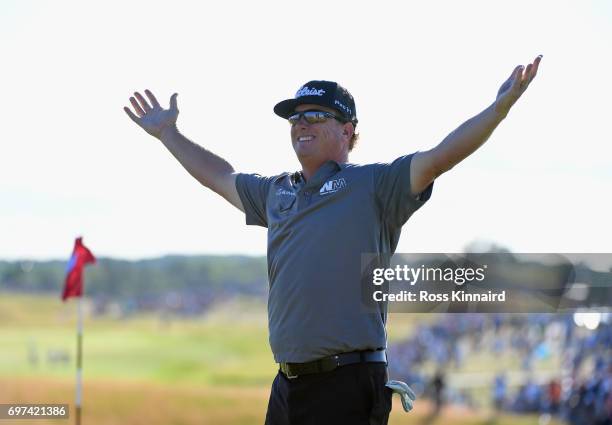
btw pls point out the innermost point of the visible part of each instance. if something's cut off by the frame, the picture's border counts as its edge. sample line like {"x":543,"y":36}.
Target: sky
{"x":72,"y":163}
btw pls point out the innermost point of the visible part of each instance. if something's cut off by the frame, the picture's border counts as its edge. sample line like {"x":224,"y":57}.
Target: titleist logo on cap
{"x":306,"y":91}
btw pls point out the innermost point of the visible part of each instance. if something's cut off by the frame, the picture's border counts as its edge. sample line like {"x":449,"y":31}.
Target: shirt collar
{"x":326,"y":170}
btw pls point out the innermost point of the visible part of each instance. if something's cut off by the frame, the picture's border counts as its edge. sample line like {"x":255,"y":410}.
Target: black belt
{"x":327,"y":364}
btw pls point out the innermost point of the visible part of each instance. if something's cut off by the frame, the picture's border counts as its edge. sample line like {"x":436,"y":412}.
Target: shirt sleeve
{"x":392,"y":190}
{"x":253,"y":190}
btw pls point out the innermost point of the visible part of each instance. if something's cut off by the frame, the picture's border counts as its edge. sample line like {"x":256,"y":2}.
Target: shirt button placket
{"x":307,"y":196}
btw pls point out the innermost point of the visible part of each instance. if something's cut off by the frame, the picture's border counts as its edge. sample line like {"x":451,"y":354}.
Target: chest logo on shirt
{"x":332,"y":186}
{"x":285,"y":192}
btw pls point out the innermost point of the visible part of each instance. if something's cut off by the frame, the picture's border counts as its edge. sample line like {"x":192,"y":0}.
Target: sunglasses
{"x":313,"y":117}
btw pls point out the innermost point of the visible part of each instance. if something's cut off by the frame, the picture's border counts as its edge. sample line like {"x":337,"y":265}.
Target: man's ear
{"x":348,"y":130}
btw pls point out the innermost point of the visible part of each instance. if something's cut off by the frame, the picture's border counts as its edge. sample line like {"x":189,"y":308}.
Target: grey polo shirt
{"x":317,"y":231}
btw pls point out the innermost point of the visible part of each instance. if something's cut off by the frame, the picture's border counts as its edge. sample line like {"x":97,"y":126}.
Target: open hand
{"x":515,"y":86}
{"x":152,"y":117}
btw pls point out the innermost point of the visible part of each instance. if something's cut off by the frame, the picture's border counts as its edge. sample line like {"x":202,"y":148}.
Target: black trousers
{"x":354,"y":394}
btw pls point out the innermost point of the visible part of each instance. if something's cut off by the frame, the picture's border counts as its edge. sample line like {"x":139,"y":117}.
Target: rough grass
{"x":212,"y":370}
{"x":108,"y":402}
{"x":232,"y":350}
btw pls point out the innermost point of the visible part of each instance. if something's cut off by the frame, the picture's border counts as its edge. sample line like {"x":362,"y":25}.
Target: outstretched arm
{"x":209,"y":169}
{"x":469,"y":136}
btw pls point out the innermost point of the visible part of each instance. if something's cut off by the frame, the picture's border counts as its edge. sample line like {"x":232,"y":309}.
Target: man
{"x":331,"y":352}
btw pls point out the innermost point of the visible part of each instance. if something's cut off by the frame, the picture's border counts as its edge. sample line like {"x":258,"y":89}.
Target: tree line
{"x":122,"y":279}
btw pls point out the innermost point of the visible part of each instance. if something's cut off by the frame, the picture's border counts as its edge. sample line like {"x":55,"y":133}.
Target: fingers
{"x":142,"y":107}
{"x":143,"y":102}
{"x":132,"y":116}
{"x":536,"y":64}
{"x":534,"y":68}
{"x":173,"y":103}
{"x":525,"y":80}
{"x":517,"y":77}
{"x":530,"y":72}
{"x":136,"y":107}
{"x":152,"y":99}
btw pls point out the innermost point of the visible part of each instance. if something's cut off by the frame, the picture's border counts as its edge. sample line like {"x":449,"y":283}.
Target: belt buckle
{"x":285,"y":370}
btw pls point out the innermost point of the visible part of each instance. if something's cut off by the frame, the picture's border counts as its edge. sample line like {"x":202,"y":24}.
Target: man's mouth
{"x":305,"y":139}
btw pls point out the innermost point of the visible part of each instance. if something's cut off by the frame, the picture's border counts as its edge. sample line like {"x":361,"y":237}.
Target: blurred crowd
{"x":558,"y":366}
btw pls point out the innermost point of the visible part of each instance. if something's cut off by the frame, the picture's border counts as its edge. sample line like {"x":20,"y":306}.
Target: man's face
{"x":319,"y":142}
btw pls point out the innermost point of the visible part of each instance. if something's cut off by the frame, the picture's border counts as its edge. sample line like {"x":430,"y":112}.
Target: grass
{"x":216,"y":369}
{"x":108,"y":402}
{"x":230,"y":346}
{"x":204,"y":351}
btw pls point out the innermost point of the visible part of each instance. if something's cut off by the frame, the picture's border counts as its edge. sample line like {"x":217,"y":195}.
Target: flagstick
{"x":79,"y":371}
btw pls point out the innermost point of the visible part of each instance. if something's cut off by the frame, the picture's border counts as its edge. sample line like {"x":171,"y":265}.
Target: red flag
{"x":81,"y":256}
